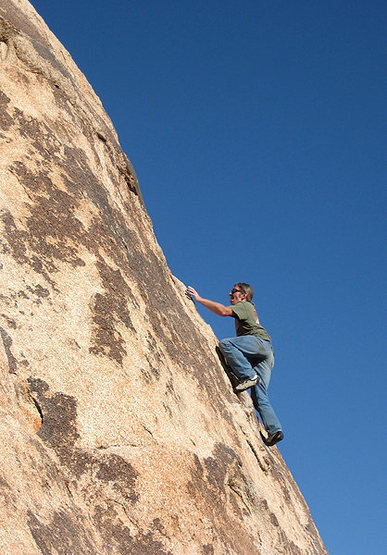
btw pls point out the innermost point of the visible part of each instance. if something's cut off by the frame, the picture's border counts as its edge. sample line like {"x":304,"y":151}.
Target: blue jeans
{"x":248,"y":355}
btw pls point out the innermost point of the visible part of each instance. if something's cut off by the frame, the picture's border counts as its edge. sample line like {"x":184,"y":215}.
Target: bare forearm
{"x":217,"y":308}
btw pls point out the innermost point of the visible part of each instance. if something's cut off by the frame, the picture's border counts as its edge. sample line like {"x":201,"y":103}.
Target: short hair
{"x":246,"y":288}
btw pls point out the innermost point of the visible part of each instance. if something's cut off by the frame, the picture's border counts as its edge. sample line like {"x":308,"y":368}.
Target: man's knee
{"x":224,"y":345}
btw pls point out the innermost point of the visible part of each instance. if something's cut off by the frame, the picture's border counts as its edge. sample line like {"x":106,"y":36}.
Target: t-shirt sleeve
{"x":239,"y":311}
{"x":232,"y":311}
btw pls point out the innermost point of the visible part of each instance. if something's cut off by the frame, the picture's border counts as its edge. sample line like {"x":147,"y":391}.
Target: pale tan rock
{"x":119,"y":436}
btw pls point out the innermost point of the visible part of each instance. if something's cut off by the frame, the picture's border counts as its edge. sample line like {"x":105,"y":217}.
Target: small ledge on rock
{"x":101,"y":137}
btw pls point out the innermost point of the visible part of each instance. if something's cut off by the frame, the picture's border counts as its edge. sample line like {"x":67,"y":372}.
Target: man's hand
{"x":191,"y":292}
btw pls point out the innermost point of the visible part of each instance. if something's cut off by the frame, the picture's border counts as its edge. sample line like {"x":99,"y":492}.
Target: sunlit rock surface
{"x":120,"y":431}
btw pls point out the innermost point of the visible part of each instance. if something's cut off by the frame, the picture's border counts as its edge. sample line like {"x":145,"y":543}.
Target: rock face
{"x":119,"y":435}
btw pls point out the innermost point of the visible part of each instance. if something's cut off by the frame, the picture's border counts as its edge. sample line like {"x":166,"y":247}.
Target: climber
{"x":249,"y":355}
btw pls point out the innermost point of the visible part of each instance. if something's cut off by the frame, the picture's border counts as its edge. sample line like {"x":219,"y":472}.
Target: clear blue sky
{"x":257,"y":131}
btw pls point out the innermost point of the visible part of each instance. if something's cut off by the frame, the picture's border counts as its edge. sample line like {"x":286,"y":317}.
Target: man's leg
{"x":261,"y":399}
{"x":238,"y":352}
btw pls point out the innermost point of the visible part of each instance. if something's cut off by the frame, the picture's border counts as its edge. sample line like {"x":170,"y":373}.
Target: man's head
{"x":241,"y":292}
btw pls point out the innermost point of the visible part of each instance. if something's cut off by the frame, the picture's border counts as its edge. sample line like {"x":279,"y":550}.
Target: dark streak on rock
{"x":19,"y":21}
{"x":66,"y":533}
{"x":209,"y":482}
{"x":119,"y":537}
{"x":217,"y":466}
{"x":109,"y":309}
{"x":147,"y":375}
{"x":207,"y":549}
{"x":285,"y":485}
{"x":4,"y":484}
{"x":59,"y":411}
{"x":155,"y":358}
{"x":6,"y":492}
{"x":5,"y":119}
{"x":39,"y":291}
{"x":7,"y":342}
{"x":170,"y":390}
{"x":199,"y":469}
{"x":11,"y":323}
{"x":45,"y":52}
{"x":52,"y":228}
{"x":113,"y":468}
{"x":41,"y":137}
{"x":59,"y":432}
{"x":16,"y":239}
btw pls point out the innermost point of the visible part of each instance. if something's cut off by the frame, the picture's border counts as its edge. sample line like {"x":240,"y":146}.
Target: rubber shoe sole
{"x":246,"y":384}
{"x":274,"y":438}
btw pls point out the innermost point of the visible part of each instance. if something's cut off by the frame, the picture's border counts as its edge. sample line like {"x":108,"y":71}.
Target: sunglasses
{"x":234,"y":290}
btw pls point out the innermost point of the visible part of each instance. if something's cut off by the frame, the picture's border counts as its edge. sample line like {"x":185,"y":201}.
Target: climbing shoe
{"x":250,"y":382}
{"x":272,"y":439}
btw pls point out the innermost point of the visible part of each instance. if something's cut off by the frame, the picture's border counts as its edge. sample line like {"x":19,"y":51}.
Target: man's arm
{"x":218,"y":308}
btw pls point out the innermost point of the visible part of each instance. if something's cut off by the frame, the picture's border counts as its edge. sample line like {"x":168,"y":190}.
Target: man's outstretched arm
{"x":218,"y":308}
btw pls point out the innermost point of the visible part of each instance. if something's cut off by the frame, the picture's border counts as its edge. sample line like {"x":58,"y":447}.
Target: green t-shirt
{"x":246,"y":320}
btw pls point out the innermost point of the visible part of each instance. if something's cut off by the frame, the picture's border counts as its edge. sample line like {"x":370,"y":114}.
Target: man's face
{"x":237,"y":295}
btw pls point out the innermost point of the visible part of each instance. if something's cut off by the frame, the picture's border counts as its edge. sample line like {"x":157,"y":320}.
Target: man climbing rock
{"x":250,"y":354}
